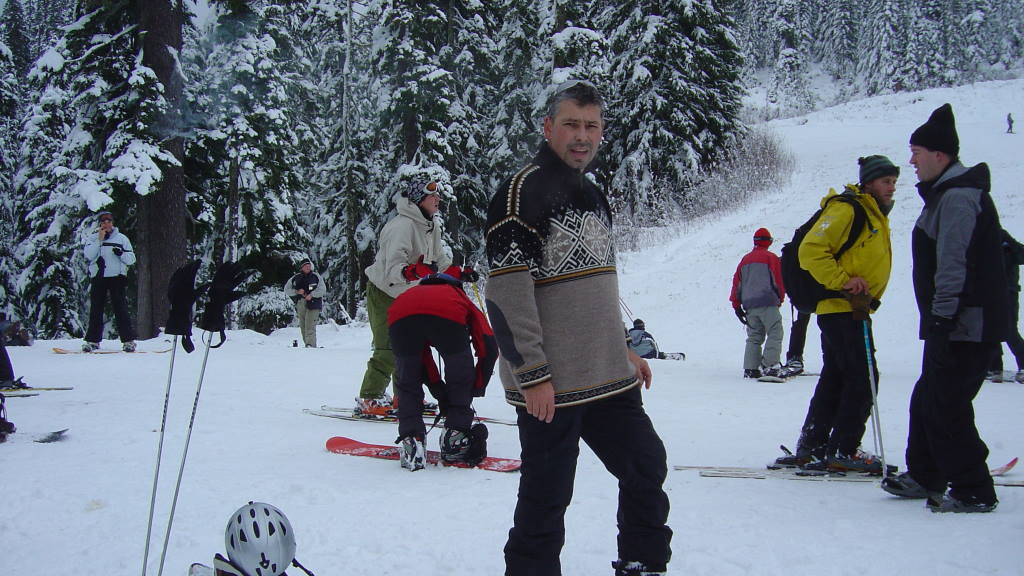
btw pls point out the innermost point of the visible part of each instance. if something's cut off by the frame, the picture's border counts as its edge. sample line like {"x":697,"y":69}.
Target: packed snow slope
{"x":80,"y":506}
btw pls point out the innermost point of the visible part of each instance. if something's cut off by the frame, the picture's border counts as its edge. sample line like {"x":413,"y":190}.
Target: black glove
{"x":118,"y":251}
{"x":222,"y":293}
{"x":182,"y":293}
{"x":740,"y":314}
{"x":469,"y":275}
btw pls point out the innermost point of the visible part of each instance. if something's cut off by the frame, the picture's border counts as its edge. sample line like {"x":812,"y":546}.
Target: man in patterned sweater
{"x":552,"y":298}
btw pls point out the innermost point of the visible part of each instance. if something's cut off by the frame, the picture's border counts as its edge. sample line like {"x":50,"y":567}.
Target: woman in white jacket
{"x":109,"y":255}
{"x":410,"y":247}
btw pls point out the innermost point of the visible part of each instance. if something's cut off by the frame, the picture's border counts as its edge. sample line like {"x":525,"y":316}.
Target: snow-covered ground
{"x":79,"y":506}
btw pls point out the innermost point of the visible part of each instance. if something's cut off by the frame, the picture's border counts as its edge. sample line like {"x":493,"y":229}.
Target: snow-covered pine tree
{"x":835,"y":35}
{"x":676,"y":100}
{"x":524,"y":62}
{"x":44,"y":19}
{"x":86,"y":146}
{"x":418,"y":101}
{"x":10,"y":106}
{"x":16,"y":37}
{"x":470,"y":54}
{"x":788,"y":89}
{"x":880,"y":56}
{"x":245,"y":151}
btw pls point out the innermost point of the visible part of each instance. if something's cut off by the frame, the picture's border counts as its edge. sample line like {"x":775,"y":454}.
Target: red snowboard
{"x":342,"y":445}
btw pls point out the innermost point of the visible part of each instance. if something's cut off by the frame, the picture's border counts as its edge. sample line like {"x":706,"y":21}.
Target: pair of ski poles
{"x":159,"y":454}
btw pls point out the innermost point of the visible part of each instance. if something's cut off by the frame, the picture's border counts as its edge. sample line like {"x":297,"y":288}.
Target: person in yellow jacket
{"x":841,"y":404}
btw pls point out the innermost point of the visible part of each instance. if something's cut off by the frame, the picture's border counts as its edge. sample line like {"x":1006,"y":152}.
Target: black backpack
{"x":803,"y":290}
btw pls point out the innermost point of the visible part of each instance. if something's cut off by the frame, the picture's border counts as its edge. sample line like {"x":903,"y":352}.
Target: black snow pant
{"x":621,"y":435}
{"x":943,"y":445}
{"x":1013,"y":337}
{"x":839,"y":410}
{"x":116,"y":286}
{"x":409,"y":337}
{"x":798,"y":336}
{"x":6,"y":368}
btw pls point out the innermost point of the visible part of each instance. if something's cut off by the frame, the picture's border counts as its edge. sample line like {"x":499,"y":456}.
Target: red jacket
{"x":450,"y":302}
{"x":758,"y":280}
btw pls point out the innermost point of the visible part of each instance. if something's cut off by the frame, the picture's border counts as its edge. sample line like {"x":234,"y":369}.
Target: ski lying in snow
{"x":67,"y":351}
{"x":51,"y":437}
{"x":347,"y":414}
{"x":801,"y":474}
{"x":342,"y":445}
{"x":6,"y":391}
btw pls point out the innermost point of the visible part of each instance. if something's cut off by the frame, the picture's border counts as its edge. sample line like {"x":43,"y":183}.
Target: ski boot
{"x":967,"y":504}
{"x":794,"y":366}
{"x":859,"y":461}
{"x":128,"y":346}
{"x":90,"y":346}
{"x":370,"y":408}
{"x":775,"y":373}
{"x":905,"y":486}
{"x":994,"y":376}
{"x":752,"y":373}
{"x":412,"y":454}
{"x":463,"y":449}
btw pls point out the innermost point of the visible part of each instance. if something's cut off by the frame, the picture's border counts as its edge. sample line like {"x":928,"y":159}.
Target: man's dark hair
{"x":582,"y":92}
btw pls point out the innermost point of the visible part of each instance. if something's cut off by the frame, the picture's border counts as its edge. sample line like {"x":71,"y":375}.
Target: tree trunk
{"x":163,"y":215}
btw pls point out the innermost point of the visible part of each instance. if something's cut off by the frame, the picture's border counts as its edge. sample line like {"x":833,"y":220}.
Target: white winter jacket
{"x":114,"y":265}
{"x":403,"y":239}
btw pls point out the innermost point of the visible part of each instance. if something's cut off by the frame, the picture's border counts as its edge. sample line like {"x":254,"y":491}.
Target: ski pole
{"x":184,"y":453}
{"x":876,"y":423}
{"x":159,"y":456}
{"x":479,"y":301}
{"x":629,"y":313}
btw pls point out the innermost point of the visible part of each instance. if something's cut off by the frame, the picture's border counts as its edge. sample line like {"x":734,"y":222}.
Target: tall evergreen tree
{"x":15,"y":36}
{"x":10,"y":107}
{"x":789,"y":89}
{"x":86,"y":145}
{"x":668,"y":53}
{"x":245,"y":145}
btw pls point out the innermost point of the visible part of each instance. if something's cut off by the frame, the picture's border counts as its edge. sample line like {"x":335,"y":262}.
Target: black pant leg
{"x":6,"y":368}
{"x":549,"y":454}
{"x":621,"y":434}
{"x":118,"y":286}
{"x":824,"y":404}
{"x":1014,"y":339}
{"x":944,"y":445}
{"x":855,"y":398}
{"x":408,"y":339}
{"x":798,"y":336}
{"x":97,"y":300}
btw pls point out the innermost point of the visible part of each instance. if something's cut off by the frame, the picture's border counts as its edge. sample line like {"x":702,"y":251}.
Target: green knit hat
{"x":872,"y":167}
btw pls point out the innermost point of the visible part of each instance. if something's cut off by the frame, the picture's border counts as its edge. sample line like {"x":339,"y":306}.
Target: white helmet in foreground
{"x":259,"y":540}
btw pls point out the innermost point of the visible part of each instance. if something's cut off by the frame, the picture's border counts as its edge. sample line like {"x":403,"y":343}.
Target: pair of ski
{"x":69,"y":351}
{"x":342,"y":413}
{"x":997,"y":473}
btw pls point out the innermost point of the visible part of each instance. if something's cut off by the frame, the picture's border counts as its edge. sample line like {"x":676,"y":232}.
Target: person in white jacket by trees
{"x":109,"y":255}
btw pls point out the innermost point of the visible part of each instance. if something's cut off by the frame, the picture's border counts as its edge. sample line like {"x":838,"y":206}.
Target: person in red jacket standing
{"x":757,"y":293}
{"x":436,"y":313}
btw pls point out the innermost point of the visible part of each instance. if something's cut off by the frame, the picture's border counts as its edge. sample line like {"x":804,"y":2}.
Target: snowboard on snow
{"x":342,"y":445}
{"x":46,"y":438}
{"x":101,"y":351}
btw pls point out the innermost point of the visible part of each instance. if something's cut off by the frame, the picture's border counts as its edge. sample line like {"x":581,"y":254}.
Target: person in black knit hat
{"x":960,"y":285}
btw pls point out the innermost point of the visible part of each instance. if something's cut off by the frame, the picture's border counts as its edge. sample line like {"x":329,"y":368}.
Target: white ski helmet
{"x":259,"y":540}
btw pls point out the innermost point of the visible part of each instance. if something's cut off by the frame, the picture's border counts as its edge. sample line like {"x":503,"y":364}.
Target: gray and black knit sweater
{"x":553,"y":295}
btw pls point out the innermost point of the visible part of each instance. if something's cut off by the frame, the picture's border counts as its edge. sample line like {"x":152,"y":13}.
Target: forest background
{"x":270,"y":131}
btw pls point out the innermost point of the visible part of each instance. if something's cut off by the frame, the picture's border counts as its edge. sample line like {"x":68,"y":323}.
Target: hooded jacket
{"x":958,"y":258}
{"x":113,"y":265}
{"x":757,"y":282}
{"x":403,"y":240}
{"x":870,"y":256}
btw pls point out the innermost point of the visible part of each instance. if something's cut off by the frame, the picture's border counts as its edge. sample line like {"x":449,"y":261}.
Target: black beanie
{"x":872,"y":167}
{"x":938,"y":133}
{"x":639,"y":324}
